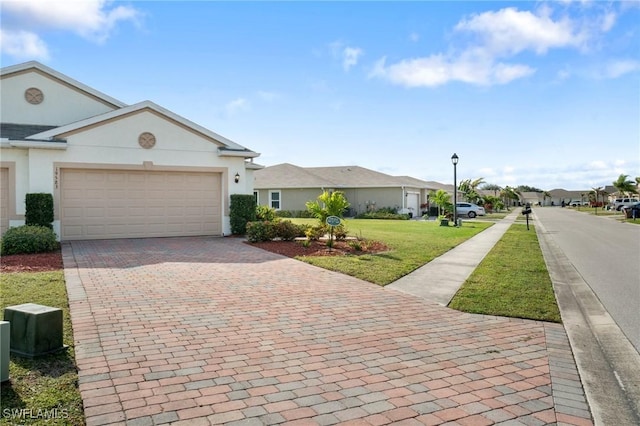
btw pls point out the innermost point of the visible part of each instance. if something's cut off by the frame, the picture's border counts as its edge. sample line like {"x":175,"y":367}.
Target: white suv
{"x":623,"y":202}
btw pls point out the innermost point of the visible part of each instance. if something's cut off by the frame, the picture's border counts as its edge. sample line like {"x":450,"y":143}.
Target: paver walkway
{"x":200,"y":331}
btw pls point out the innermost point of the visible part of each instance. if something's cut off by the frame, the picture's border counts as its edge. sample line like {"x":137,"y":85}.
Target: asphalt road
{"x":606,"y":253}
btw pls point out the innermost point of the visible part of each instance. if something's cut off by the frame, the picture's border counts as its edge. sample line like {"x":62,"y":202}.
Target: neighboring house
{"x":114,"y":170}
{"x":289,"y":187}
{"x":533,"y":198}
{"x":558,"y":196}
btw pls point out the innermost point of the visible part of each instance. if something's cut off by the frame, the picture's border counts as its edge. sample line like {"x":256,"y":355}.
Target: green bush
{"x":340,"y":232}
{"x":265,"y":213}
{"x":316,"y":232}
{"x":288,"y":231}
{"x":382,"y":215}
{"x":241,"y":210}
{"x":39,"y":210}
{"x":260,"y":231}
{"x":28,"y":239}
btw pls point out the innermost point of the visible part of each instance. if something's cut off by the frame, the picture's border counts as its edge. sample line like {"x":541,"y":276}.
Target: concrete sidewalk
{"x":440,"y":279}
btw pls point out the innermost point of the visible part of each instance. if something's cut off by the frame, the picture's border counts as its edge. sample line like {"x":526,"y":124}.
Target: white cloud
{"x":497,"y":37}
{"x":619,"y":68}
{"x":437,"y":70}
{"x":510,"y":31}
{"x":350,"y":57}
{"x":23,"y":45}
{"x":414,"y":37}
{"x":25,"y":20}
{"x":237,"y":105}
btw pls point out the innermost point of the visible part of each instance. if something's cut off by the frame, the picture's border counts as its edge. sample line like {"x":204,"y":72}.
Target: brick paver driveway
{"x":213,"y":331}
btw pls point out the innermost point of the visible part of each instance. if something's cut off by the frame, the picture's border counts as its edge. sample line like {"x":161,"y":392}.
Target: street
{"x":606,"y":253}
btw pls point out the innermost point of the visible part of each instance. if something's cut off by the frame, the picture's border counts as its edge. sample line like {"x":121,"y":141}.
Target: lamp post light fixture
{"x":237,"y":177}
{"x":454,"y":160}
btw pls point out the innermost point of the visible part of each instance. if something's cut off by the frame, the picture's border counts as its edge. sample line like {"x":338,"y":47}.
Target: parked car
{"x":469,"y":209}
{"x":619,"y":203}
{"x":632,"y":211}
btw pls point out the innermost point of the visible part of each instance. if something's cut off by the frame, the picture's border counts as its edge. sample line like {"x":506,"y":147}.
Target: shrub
{"x":241,"y":210}
{"x":315,"y":232}
{"x":39,"y":210}
{"x":356,"y":245}
{"x":260,"y":231}
{"x":28,"y":239}
{"x":383,"y":215}
{"x":340,"y":232}
{"x":287,"y":230}
{"x":284,"y":213}
{"x":265,"y":213}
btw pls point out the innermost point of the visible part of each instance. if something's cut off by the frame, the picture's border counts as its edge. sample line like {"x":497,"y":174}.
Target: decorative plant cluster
{"x":28,"y":239}
{"x":37,"y":235}
{"x":269,"y":230}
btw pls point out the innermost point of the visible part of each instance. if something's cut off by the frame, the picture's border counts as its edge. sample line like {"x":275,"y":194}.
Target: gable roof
{"x":225,"y":145}
{"x":66,"y":80}
{"x":287,"y":175}
{"x":40,"y":133}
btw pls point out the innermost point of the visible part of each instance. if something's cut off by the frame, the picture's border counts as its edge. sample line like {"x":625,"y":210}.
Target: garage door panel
{"x":121,"y":204}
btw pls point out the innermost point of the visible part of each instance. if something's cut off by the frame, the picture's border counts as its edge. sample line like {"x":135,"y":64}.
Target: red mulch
{"x":36,"y":262}
{"x":41,"y":262}
{"x":319,"y":248}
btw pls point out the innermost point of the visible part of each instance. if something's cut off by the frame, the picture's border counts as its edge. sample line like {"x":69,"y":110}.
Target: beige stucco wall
{"x":61,"y":105}
{"x":115,"y":145}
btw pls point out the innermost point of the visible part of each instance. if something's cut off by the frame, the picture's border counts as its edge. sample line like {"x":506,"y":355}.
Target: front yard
{"x":412,"y":243}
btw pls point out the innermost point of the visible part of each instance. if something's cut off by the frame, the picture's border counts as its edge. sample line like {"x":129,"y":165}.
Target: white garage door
{"x":412,"y":203}
{"x":4,"y":200}
{"x":98,"y":204}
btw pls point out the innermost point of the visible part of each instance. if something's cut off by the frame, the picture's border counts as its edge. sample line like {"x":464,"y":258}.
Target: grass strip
{"x":42,"y":390}
{"x":511,"y":281}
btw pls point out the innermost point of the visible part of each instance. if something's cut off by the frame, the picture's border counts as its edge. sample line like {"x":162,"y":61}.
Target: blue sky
{"x":545,"y":94}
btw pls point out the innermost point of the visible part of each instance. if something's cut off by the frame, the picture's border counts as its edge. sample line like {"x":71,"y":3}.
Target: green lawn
{"x":412,"y":243}
{"x":512,"y":281}
{"x":46,"y":386}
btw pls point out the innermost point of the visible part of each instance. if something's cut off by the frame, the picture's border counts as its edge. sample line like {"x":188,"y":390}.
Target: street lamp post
{"x":454,"y":160}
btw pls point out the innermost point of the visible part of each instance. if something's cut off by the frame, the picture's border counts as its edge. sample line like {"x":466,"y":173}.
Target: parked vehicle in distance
{"x":622,"y":202}
{"x":632,"y":211}
{"x":470,"y":210}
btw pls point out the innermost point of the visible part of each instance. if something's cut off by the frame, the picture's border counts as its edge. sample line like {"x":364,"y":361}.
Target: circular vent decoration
{"x":33,"y":95}
{"x":147,"y":140}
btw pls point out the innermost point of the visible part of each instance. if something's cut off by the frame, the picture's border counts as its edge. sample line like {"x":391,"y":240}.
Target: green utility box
{"x":35,"y":329}
{"x":4,"y":350}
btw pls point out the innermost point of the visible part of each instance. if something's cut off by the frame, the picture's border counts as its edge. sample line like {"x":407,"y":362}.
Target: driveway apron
{"x":213,"y":331}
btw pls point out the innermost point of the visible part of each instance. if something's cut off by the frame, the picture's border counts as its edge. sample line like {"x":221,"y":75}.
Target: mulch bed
{"x":36,"y":262}
{"x":319,"y":248}
{"x":41,"y":262}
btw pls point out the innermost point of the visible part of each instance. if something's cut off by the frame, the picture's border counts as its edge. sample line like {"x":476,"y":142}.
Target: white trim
{"x":38,"y":145}
{"x":45,"y":69}
{"x":275,"y":191}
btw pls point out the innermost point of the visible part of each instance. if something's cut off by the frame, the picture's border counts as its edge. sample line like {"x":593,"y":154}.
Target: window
{"x":274,"y":200}
{"x":256,"y":197}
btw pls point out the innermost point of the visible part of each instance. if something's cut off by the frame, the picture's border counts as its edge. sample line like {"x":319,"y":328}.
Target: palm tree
{"x":443,"y":200}
{"x":508,"y":194}
{"x":625,"y":186}
{"x":545,"y":194}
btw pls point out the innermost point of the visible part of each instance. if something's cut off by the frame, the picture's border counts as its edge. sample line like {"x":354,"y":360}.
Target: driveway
{"x":212,"y":331}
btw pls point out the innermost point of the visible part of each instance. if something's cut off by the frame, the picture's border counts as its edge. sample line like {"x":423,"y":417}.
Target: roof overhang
{"x":35,"y":144}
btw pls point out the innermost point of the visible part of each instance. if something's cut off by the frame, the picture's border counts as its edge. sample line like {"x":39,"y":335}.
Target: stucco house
{"x":114,"y":170}
{"x":288,"y":187}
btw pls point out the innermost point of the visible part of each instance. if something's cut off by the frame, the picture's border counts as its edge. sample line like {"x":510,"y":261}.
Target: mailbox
{"x":526,"y":211}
